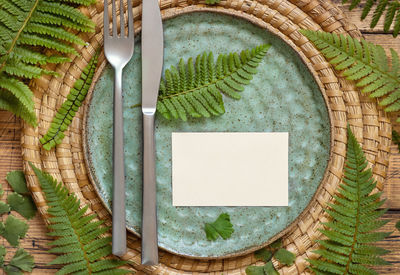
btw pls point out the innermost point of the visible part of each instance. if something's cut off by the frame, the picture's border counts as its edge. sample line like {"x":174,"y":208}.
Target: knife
{"x":152,"y":61}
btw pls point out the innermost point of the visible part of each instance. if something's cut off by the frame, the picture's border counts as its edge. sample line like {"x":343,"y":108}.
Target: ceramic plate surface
{"x":282,"y":97}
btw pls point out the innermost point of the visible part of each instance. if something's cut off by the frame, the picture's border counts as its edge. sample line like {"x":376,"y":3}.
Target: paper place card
{"x":230,"y":169}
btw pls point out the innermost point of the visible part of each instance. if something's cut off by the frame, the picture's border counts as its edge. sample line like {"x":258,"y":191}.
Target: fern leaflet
{"x":66,"y":113}
{"x":26,"y":29}
{"x":79,"y":236}
{"x":363,"y":62}
{"x":354,"y":216}
{"x":194,"y":89}
{"x":212,"y":2}
{"x":392,"y":17}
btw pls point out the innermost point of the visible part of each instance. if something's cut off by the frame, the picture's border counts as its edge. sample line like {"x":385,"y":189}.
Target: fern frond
{"x":66,"y":113}
{"x":368,"y":66}
{"x":195,"y":89}
{"x":349,"y":247}
{"x":391,"y":7}
{"x":82,"y":249}
{"x":26,"y":29}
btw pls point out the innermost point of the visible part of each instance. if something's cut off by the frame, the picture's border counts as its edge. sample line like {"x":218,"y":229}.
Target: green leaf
{"x":269,"y":269}
{"x":12,"y":270}
{"x":277,"y":244}
{"x":398,"y":225}
{"x":255,"y":270}
{"x":80,"y":243}
{"x":221,"y":227}
{"x":75,"y":98}
{"x":263,"y":254}
{"x":3,"y":252}
{"x":13,"y":230}
{"x":17,"y":181}
{"x":284,"y":256}
{"x":22,"y":260}
{"x":4,"y":207}
{"x":24,"y":205}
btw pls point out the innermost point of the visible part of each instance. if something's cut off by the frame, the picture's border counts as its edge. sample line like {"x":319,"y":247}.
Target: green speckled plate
{"x":282,"y":97}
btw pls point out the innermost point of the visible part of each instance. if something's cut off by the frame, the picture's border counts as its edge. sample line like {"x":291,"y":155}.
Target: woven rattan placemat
{"x":347,"y":105}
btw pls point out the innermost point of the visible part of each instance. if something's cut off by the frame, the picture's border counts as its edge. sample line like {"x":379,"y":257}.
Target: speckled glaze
{"x":282,"y":97}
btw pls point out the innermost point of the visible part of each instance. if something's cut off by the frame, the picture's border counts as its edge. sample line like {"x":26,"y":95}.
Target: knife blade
{"x":152,"y":54}
{"x":152,"y":61}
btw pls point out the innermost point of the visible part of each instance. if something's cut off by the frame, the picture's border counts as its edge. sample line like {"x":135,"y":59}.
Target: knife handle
{"x":118,"y":202}
{"x":149,"y":218}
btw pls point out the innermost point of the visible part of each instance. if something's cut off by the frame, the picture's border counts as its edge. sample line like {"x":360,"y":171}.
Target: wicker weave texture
{"x":347,"y":106}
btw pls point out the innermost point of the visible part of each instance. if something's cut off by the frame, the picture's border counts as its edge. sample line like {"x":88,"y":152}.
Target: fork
{"x":118,"y":50}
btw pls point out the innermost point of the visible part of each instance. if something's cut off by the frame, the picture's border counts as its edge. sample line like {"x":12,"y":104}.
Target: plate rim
{"x":172,"y":13}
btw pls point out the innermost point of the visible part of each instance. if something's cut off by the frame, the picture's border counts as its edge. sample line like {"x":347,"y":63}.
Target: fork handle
{"x":118,"y":202}
{"x":149,"y":218}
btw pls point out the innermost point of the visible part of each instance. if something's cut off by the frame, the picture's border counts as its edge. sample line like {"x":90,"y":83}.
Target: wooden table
{"x":36,"y":240}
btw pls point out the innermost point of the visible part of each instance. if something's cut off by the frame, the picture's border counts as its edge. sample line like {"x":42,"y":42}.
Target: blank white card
{"x":230,"y":169}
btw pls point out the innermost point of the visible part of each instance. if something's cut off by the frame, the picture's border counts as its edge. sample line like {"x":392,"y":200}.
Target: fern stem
{"x":350,"y":259}
{"x":89,"y":268}
{"x":136,"y":105}
{"x":14,"y":42}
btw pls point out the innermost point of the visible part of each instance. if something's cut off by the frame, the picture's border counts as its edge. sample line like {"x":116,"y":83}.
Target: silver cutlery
{"x":152,"y":61}
{"x":118,"y":50}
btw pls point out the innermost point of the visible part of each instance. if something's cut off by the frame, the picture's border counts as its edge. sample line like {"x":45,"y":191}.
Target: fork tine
{"x":106,"y":23}
{"x":130,"y":20}
{"x":121,"y":14}
{"x":114,"y":19}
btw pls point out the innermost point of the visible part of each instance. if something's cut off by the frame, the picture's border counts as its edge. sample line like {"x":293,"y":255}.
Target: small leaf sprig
{"x":222,"y":226}
{"x":15,"y":229}
{"x":274,"y":250}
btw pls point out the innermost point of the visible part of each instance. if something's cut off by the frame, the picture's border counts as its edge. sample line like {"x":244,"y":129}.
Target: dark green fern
{"x":79,"y":236}
{"x":363,"y":62}
{"x":348,"y":247}
{"x":66,"y":113}
{"x":194,"y":89}
{"x":391,"y":8}
{"x":26,"y":29}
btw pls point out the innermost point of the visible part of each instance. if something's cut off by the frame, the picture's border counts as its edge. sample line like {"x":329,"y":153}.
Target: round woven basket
{"x":369,"y":123}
